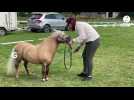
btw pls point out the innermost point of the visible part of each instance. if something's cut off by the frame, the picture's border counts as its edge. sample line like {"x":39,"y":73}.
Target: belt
{"x":92,"y":41}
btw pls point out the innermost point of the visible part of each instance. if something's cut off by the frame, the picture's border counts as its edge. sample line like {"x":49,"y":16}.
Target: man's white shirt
{"x":86,"y":32}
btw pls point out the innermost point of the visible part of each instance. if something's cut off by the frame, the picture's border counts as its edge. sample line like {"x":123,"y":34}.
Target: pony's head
{"x":61,"y":37}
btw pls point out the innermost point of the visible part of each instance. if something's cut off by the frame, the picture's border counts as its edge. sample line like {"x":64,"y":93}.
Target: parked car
{"x":46,"y":21}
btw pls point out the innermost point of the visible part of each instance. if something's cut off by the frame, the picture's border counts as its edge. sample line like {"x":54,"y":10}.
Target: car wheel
{"x":33,"y":30}
{"x":47,"y":28}
{"x":2,"y":31}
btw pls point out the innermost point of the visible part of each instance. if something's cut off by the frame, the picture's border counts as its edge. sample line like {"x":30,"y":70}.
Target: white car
{"x":46,"y":21}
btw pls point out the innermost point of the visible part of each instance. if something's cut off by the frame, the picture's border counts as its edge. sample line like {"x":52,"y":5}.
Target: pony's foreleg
{"x":26,"y":67}
{"x":45,"y":70}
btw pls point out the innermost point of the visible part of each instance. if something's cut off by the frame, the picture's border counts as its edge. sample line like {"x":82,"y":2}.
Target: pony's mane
{"x":57,"y":33}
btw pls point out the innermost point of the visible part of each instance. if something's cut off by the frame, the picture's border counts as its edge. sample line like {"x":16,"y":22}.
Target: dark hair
{"x":71,"y":21}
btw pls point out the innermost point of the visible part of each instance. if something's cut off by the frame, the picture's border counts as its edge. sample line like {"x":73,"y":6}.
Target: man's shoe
{"x":81,"y":75}
{"x":87,"y":78}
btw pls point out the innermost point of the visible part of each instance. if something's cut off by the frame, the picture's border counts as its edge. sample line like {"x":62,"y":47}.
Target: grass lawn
{"x":113,"y":62}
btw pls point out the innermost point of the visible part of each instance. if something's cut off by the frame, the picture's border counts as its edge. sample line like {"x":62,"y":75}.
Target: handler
{"x":86,"y":35}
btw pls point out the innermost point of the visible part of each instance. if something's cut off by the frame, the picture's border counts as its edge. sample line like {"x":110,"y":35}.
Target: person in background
{"x":89,"y":37}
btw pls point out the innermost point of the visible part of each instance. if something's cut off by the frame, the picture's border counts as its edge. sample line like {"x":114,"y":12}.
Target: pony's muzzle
{"x":69,"y":41}
{"x":70,"y":44}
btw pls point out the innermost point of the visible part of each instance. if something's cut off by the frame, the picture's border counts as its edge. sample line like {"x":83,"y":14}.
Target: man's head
{"x":71,"y":23}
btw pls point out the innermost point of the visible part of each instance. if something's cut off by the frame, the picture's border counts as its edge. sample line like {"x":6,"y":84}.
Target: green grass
{"x":113,"y":62}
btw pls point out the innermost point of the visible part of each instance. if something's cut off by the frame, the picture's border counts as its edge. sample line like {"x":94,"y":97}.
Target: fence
{"x":22,"y":24}
{"x":110,"y":24}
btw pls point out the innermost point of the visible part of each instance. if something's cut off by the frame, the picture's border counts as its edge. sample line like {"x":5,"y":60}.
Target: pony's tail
{"x":11,"y":63}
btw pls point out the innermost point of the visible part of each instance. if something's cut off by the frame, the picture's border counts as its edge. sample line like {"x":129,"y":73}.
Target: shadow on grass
{"x":23,"y":77}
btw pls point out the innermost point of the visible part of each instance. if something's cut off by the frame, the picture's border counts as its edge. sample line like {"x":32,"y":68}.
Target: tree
{"x":23,"y":14}
{"x":131,"y":14}
{"x":76,"y":13}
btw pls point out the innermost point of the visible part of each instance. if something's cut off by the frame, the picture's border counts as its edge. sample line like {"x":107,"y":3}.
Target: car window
{"x":59,"y":16}
{"x":50,"y":16}
{"x":36,"y":16}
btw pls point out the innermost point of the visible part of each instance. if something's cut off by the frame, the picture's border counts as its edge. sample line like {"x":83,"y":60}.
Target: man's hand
{"x":76,"y":50}
{"x":74,"y":40}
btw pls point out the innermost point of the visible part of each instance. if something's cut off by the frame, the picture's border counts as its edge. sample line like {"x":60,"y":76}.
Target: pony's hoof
{"x":29,"y":75}
{"x":16,"y":79}
{"x":43,"y":80}
{"x":46,"y":79}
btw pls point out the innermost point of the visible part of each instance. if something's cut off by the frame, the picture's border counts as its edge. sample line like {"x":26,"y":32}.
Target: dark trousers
{"x":88,"y":54}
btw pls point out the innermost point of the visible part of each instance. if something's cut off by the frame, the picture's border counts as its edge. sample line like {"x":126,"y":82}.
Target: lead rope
{"x":70,"y":53}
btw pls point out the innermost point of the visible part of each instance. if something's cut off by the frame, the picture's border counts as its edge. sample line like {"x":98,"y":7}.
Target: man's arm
{"x":81,"y":39}
{"x":78,"y":47}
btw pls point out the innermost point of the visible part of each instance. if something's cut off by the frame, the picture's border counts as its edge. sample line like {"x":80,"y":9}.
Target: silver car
{"x":46,"y":21}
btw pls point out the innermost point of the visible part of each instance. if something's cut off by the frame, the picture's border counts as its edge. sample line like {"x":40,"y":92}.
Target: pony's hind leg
{"x":17,"y":69}
{"x":26,"y":67}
